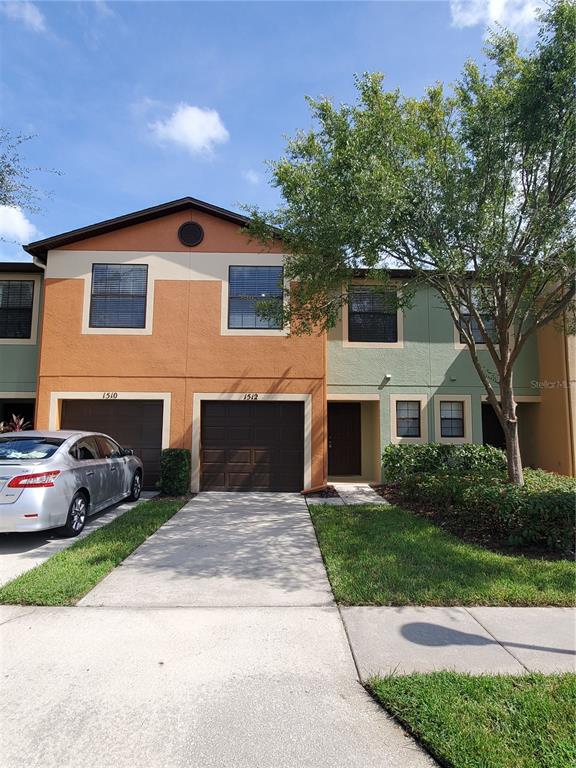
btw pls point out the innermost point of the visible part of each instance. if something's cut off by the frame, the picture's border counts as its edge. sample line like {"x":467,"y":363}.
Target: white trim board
{"x":166,"y":397}
{"x":199,"y":397}
{"x":359,"y":397}
{"x":19,"y":395}
{"x":517,"y":398}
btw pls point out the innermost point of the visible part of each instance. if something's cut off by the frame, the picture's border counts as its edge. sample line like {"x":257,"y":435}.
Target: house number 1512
{"x":250,"y":396}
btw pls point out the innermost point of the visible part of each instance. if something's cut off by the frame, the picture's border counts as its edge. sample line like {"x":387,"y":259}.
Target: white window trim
{"x":147,"y":329}
{"x":394,"y":437}
{"x":36,"y":279}
{"x":166,"y":397}
{"x":199,"y":397}
{"x":467,"y":401}
{"x":373,"y":344}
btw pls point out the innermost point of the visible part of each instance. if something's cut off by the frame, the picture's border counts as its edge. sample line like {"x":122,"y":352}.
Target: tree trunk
{"x":513,"y":457}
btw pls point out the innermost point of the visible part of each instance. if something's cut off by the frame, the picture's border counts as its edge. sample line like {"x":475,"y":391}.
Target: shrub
{"x":541,"y":513}
{"x":174,"y":471}
{"x":401,"y":461}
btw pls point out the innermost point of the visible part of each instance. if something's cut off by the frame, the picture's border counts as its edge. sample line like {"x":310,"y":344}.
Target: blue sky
{"x":138,"y":103}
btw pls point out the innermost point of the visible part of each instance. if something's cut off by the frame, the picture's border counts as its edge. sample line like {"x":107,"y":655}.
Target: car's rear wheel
{"x":77,"y":514}
{"x":136,"y":487}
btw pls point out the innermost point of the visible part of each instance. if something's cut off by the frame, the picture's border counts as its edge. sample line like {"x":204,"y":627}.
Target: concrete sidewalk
{"x":473,"y":640}
{"x":218,"y":645}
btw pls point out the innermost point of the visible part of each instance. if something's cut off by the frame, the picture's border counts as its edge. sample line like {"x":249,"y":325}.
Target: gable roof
{"x":40,"y":248}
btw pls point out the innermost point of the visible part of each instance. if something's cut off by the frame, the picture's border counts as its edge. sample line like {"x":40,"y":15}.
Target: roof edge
{"x":40,"y":248}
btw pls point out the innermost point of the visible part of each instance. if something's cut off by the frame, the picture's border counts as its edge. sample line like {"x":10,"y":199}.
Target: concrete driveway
{"x":19,"y":552}
{"x":224,"y":549}
{"x":216,"y":645}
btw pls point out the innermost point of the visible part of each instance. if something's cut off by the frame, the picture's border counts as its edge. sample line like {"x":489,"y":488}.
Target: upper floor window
{"x":118,"y":298}
{"x":16,"y":305}
{"x":467,"y":320}
{"x":372,"y":314}
{"x":247,"y":287}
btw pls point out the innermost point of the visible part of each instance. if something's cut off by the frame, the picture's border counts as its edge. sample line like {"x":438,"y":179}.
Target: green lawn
{"x":488,"y":721}
{"x":69,"y":575}
{"x":383,"y":555}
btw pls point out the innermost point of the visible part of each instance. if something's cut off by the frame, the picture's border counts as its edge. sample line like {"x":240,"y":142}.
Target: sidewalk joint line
{"x":507,"y":650}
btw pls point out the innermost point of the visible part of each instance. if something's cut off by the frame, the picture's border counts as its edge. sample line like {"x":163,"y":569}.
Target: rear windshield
{"x":28,"y":448}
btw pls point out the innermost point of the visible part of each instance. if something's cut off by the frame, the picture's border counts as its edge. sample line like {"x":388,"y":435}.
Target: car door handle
{"x":89,"y":474}
{"x":113,"y":469}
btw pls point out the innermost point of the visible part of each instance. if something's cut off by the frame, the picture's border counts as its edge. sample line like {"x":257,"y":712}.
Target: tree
{"x":16,"y":191}
{"x":473,"y":190}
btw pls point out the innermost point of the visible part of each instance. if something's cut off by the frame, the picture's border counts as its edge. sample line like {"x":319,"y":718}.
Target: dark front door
{"x":252,"y":446}
{"x":344,"y":442}
{"x":133,"y":424}
{"x":492,"y":433}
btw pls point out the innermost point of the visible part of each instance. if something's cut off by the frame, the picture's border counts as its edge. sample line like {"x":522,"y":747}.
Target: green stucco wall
{"x":427,"y":364}
{"x":19,"y":362}
{"x":18,"y":367}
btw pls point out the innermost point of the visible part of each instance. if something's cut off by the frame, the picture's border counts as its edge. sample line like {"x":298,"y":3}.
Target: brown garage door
{"x":134,"y":424}
{"x":248,"y":446}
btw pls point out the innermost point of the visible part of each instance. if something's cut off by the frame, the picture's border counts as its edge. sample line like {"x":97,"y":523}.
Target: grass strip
{"x":384,"y":555}
{"x":524,"y":721}
{"x":68,"y":575}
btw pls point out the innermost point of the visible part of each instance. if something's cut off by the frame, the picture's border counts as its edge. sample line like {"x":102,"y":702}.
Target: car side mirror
{"x":127,"y":452}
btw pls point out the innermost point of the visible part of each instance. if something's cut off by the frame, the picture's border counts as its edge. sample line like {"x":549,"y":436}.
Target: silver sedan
{"x":58,"y":479}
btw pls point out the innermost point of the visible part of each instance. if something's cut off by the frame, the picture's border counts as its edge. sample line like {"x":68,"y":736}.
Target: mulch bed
{"x":329,"y":492}
{"x":446,"y":519}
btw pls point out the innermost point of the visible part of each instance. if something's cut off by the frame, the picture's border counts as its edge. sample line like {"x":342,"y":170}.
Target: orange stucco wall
{"x":186,"y":352}
{"x":554,"y":429}
{"x":162,"y":235}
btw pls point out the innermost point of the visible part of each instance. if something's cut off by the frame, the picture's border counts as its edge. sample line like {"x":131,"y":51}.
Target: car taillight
{"x":39,"y":480}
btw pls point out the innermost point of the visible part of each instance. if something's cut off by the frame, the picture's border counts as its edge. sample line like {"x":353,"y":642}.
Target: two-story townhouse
{"x":150,"y":333}
{"x":404,"y":376}
{"x":20,"y":304}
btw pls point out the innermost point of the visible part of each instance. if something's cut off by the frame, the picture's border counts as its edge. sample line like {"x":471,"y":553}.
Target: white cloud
{"x":102,"y":8}
{"x":197,"y":129}
{"x":15,"y":226}
{"x":25,"y":12}
{"x":518,"y":15}
{"x":252,"y":177}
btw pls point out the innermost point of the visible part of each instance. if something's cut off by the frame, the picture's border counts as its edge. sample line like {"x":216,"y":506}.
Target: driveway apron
{"x":217,"y":644}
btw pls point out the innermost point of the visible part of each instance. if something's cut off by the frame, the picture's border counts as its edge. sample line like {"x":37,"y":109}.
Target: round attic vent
{"x":190,"y":234}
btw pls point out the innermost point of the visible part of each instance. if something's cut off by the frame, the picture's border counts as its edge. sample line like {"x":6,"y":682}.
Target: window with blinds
{"x":247,"y":287}
{"x":16,"y":302}
{"x":467,"y":320}
{"x":118,"y":297}
{"x":372,"y":314}
{"x":452,"y":418}
{"x":408,"y":418}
